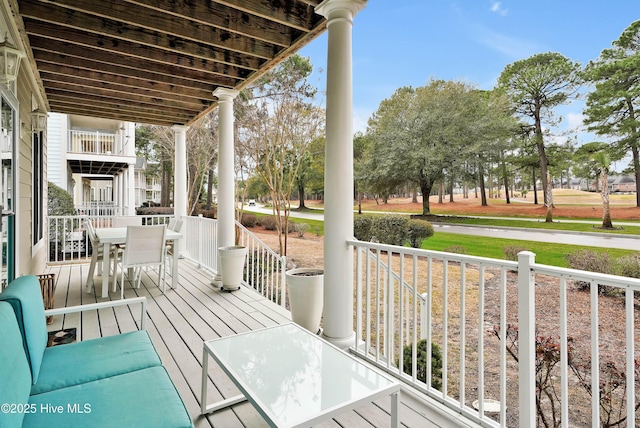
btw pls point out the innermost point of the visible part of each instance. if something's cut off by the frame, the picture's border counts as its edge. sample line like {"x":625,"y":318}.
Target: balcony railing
{"x":68,"y":242}
{"x":481,"y":314}
{"x":94,"y":142}
{"x":264,"y":269}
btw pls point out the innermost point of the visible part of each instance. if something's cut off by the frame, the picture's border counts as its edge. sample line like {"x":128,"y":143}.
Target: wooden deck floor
{"x":180,"y":320}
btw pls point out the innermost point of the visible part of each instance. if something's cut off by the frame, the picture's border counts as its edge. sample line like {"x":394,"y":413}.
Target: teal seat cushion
{"x":90,"y":360}
{"x":144,"y":398}
{"x":26,"y":298}
{"x":15,"y":375}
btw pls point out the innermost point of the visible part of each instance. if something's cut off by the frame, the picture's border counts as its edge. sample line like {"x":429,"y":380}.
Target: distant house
{"x":617,"y":183}
{"x":622,"y":183}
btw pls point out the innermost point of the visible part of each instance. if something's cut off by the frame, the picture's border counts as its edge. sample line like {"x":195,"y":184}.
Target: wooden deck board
{"x":179,"y":321}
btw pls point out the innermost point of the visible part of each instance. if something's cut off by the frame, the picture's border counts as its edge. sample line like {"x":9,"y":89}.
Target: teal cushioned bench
{"x":15,"y":377}
{"x":119,"y":377}
{"x":143,"y":398}
{"x":99,"y":358}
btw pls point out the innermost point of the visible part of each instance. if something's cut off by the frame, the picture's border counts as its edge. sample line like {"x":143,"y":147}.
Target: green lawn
{"x":556,"y":225}
{"x":546,"y":253}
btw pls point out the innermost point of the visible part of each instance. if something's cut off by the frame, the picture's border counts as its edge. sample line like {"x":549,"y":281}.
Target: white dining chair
{"x":144,"y":246}
{"x":97,"y":254}
{"x":127,"y":220}
{"x":176,"y":226}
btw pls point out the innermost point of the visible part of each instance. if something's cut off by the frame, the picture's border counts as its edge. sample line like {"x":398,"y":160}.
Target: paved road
{"x":626,"y":242}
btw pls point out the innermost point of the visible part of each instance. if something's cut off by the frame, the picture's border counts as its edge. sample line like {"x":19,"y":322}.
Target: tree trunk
{"x":548,"y":200}
{"x":634,"y":153}
{"x":606,"y":210}
{"x":209,"y":190}
{"x":441,"y":192}
{"x":425,"y":188}
{"x":483,"y":190}
{"x":301,"y":196}
{"x":544,"y":161}
{"x":451,"y":190}
{"x":636,"y":169}
{"x":506,"y":181}
{"x":535,"y":185}
{"x":165,"y":192}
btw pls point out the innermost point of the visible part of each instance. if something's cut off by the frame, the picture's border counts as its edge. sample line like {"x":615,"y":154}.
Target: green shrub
{"x":511,"y":252}
{"x":629,"y":266}
{"x":391,"y":229}
{"x":592,"y":261}
{"x":418,"y":231}
{"x":362,"y":227}
{"x":301,"y":229}
{"x":421,"y":352}
{"x":457,"y":249}
{"x":59,"y":201}
{"x":154,"y":210}
{"x":248,"y":220}
{"x":269,"y":222}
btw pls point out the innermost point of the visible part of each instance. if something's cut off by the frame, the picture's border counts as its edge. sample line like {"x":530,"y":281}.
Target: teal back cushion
{"x":25,"y":297}
{"x":15,"y":377}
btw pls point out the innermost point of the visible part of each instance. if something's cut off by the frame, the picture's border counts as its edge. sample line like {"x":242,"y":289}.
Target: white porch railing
{"x":264,"y":270}
{"x":479,"y":311}
{"x":94,"y":142}
{"x":68,"y":242}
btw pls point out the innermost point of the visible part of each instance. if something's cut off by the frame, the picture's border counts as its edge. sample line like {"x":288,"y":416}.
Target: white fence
{"x":94,"y":142}
{"x":264,"y":267}
{"x":69,"y":243}
{"x":496,"y":343}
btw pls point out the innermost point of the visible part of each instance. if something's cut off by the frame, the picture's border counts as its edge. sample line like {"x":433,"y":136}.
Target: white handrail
{"x":103,"y":305}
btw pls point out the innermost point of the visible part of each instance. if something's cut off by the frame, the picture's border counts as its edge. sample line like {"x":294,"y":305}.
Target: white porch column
{"x":180,"y":176}
{"x":226,"y":185}
{"x":131,"y":191}
{"x":338,"y":174}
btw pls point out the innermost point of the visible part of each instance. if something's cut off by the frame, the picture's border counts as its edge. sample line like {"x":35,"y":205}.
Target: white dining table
{"x":118,"y":235}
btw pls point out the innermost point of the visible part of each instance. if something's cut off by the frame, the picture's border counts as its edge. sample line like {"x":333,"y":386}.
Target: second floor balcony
{"x":96,"y":142}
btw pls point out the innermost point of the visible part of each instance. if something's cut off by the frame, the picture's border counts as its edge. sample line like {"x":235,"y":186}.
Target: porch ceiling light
{"x":9,"y":61}
{"x":38,"y":121}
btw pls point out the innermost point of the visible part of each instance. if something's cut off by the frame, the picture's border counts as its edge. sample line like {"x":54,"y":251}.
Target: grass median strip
{"x":532,"y":224}
{"x":546,"y":253}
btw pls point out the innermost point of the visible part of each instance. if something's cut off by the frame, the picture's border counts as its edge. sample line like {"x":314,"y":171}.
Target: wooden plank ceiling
{"x":158,"y":61}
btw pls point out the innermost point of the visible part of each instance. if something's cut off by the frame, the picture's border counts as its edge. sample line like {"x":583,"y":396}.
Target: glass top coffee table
{"x":295,"y":378}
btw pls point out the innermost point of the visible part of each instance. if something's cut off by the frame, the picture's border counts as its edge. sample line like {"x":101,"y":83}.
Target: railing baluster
{"x":445,"y":326}
{"x":630,"y":354}
{"x":481,"y":309}
{"x":463,"y":339}
{"x":564,"y":355}
{"x":503,"y":347}
{"x":595,"y":354}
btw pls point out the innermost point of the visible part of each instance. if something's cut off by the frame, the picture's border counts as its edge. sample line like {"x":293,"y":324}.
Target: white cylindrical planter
{"x":306,"y":297}
{"x":232,"y":259}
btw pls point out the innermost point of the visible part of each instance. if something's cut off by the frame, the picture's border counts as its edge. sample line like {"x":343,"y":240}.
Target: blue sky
{"x":407,"y":42}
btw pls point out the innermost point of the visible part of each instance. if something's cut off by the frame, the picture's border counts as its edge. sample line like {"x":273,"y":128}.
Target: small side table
{"x":295,"y":378}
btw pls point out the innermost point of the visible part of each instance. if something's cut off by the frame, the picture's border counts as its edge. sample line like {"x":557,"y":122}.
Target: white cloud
{"x":361,"y":119}
{"x":496,"y":7}
{"x":512,"y":47}
{"x":575,"y":120}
